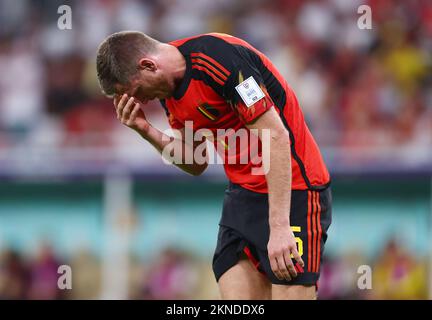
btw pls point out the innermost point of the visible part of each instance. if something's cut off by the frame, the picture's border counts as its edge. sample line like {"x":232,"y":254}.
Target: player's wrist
{"x":279,"y":222}
{"x":143,"y":130}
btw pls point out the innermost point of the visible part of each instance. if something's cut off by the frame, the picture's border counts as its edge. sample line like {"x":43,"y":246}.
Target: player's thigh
{"x":244,"y":282}
{"x":293,"y":292}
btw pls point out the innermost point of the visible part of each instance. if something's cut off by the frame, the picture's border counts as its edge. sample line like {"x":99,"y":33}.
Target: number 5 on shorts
{"x":298,"y":241}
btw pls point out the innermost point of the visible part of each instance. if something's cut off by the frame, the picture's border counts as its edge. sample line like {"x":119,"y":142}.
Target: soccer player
{"x":274,"y":224}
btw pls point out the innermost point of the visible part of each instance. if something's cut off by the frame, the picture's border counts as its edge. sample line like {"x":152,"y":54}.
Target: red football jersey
{"x":215,"y":65}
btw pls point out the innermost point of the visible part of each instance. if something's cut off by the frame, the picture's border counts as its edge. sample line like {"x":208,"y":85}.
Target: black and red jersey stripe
{"x":207,"y":64}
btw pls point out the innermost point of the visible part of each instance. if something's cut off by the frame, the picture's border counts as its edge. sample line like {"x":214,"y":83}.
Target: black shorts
{"x":244,"y":228}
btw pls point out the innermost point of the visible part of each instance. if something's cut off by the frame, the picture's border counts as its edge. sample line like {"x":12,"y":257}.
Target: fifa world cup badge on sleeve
{"x":249,"y":91}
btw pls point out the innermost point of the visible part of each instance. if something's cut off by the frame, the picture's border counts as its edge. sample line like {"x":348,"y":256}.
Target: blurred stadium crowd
{"x":366,"y":90}
{"x":179,"y":274}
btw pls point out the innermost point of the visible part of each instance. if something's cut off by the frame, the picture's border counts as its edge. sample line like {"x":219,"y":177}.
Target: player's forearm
{"x":160,"y":141}
{"x":155,"y":137}
{"x":279,"y":179}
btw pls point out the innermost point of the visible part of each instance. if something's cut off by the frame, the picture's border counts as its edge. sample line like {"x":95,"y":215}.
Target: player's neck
{"x":175,"y":62}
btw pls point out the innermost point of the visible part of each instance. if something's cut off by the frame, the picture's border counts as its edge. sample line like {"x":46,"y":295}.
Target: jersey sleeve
{"x":246,"y":92}
{"x":172,"y":121}
{"x":234,"y":74}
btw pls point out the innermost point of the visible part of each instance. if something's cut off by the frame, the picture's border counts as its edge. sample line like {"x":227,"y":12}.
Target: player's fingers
{"x":117,"y":100}
{"x":283,"y":268}
{"x":134,"y":113}
{"x":120,"y":105}
{"x":275,"y":268}
{"x":127,"y":110}
{"x":289,"y":264}
{"x":297,"y":257}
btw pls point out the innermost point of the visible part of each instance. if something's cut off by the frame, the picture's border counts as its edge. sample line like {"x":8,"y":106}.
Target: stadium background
{"x":77,"y":188}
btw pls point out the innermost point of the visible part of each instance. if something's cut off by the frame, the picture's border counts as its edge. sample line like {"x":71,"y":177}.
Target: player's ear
{"x":147,"y":64}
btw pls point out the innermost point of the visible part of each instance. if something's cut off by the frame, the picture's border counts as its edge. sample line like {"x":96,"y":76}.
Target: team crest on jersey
{"x":208,"y":111}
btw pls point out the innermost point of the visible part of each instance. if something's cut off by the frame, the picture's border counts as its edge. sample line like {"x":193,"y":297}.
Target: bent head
{"x":131,"y":62}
